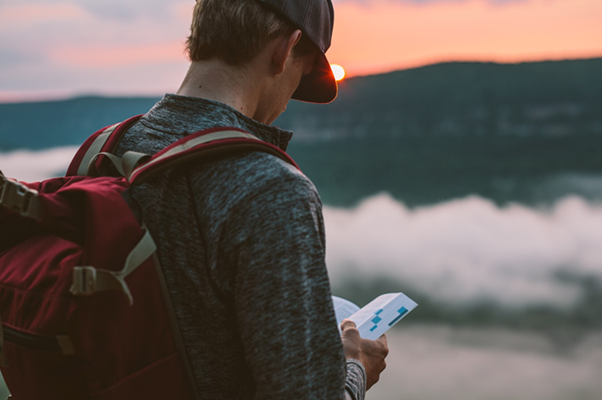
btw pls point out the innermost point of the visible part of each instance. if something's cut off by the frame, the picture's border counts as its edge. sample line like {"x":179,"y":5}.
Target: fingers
{"x":350,"y":333}
{"x":347,"y":324}
{"x":383,"y":345}
{"x":352,"y":342}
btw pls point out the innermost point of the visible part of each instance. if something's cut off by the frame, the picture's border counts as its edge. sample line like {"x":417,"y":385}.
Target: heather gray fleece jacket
{"x":241,"y":241}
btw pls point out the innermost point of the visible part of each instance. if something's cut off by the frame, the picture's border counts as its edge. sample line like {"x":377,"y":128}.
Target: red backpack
{"x":84,"y":307}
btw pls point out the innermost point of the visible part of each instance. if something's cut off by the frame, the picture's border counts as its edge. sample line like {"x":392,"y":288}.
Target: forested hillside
{"x":525,"y":132}
{"x":461,"y":99}
{"x":61,"y":123}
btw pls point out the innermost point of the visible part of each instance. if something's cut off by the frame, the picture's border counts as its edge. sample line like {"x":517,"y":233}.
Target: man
{"x":241,"y":239}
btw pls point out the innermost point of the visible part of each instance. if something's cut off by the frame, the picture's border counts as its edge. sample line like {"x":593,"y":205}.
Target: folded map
{"x":376,"y":317}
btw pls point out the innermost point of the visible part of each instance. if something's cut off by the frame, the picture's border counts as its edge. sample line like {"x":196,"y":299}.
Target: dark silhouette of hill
{"x":461,"y":98}
{"x":527,"y":132}
{"x":47,"y":124}
{"x":503,"y":131}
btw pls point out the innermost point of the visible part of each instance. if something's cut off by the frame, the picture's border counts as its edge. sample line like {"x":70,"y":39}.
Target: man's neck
{"x":215,"y":80}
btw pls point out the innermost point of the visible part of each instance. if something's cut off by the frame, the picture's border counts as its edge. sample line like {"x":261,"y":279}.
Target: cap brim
{"x":319,"y":86}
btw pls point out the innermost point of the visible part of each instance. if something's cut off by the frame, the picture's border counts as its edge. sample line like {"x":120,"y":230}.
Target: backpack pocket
{"x":163,"y":379}
{"x":46,"y":368}
{"x":35,"y":342}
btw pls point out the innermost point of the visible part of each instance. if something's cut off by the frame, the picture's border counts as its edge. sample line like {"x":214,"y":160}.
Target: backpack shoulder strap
{"x":207,"y":144}
{"x":105,"y":140}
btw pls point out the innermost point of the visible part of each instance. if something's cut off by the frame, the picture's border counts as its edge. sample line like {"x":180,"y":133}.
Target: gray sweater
{"x":241,"y":241}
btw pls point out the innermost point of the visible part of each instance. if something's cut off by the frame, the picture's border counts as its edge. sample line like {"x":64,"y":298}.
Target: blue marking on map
{"x":379,"y":311}
{"x":402,"y":311}
{"x":373,"y":328}
{"x":376,"y":320}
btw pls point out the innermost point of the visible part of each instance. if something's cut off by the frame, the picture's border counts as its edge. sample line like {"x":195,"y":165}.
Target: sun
{"x":338,"y":71}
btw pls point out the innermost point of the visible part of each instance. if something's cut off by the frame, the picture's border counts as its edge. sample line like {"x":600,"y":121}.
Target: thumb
{"x":347,"y":324}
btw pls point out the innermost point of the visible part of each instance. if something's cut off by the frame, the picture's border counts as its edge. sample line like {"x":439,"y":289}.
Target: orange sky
{"x":69,"y":47}
{"x":387,"y":35}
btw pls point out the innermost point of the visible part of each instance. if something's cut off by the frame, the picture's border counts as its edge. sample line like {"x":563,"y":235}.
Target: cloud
{"x":423,"y":1}
{"x":458,"y":252}
{"x":469,"y":249}
{"x":70,"y":35}
{"x":120,"y":55}
{"x":106,"y":9}
{"x":131,"y":9}
{"x":11,"y":58}
{"x":69,"y":48}
{"x":32,"y":12}
{"x":33,"y":166}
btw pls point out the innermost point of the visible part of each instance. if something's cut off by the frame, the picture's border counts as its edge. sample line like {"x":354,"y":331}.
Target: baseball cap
{"x":315,"y":18}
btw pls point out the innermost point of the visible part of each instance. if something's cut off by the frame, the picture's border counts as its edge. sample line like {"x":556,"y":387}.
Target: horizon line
{"x":67,"y":96}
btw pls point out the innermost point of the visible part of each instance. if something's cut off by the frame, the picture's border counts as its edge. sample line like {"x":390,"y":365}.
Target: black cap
{"x":315,"y":18}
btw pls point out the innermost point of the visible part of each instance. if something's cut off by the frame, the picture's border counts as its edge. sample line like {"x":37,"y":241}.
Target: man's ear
{"x":284,"y":50}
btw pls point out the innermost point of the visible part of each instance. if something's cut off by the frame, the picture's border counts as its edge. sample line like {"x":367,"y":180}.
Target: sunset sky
{"x":60,"y":48}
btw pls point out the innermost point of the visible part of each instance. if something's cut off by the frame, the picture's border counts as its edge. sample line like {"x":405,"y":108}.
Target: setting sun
{"x":338,"y":71}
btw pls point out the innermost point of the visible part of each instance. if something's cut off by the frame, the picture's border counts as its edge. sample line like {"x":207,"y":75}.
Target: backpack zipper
{"x":31,"y":341}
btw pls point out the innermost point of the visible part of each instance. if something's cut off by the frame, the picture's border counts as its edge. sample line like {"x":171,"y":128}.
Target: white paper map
{"x":378,"y":316}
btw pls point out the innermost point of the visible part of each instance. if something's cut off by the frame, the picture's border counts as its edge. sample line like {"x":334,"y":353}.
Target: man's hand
{"x":371,"y":353}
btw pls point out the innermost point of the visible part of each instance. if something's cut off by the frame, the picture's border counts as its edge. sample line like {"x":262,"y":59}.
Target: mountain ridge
{"x":424,"y":135}
{"x":457,"y":98}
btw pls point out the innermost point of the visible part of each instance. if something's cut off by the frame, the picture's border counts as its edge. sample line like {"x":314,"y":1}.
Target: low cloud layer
{"x":32,"y":166}
{"x":459,"y":251}
{"x":469,"y":249}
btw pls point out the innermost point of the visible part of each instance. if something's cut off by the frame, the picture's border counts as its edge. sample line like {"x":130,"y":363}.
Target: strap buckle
{"x":17,"y":197}
{"x":84,"y":281}
{"x":89,"y":280}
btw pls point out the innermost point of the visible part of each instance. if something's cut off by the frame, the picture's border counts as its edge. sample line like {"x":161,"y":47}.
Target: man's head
{"x":236,"y":31}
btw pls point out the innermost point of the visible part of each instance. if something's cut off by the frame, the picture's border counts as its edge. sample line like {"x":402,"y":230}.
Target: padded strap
{"x":116,"y":161}
{"x":144,"y":249}
{"x":203,"y":146}
{"x":131,"y":160}
{"x":175,"y":326}
{"x":94,"y":149}
{"x":89,"y":280}
{"x":105,"y":140}
{"x":124,"y":165}
{"x":190,"y":144}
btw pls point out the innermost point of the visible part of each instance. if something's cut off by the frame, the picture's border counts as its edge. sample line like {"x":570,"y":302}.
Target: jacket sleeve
{"x":282,"y":295}
{"x":355,"y":381}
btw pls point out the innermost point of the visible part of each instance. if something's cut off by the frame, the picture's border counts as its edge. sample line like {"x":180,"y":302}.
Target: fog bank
{"x":458,"y":251}
{"x":32,"y":166}
{"x":469,"y":249}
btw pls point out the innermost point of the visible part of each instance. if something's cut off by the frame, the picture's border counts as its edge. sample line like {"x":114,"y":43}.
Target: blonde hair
{"x":235,"y":31}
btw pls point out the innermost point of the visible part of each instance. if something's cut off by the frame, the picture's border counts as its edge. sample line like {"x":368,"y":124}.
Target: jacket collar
{"x":183,"y":115}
